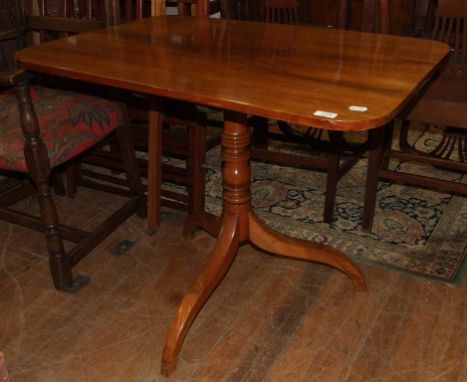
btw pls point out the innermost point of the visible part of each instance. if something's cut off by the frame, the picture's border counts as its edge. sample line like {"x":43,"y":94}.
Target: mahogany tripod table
{"x":324,"y":78}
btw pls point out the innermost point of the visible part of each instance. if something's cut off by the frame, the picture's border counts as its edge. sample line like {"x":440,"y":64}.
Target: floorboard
{"x":271,"y":319}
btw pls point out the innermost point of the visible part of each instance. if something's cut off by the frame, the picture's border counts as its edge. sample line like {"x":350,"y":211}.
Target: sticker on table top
{"x":326,"y":114}
{"x":358,"y":108}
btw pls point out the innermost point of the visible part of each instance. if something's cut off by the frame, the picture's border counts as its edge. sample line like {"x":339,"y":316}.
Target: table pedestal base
{"x":239,"y":224}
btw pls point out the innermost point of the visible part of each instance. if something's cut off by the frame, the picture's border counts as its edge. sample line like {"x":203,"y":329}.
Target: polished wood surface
{"x":243,"y":66}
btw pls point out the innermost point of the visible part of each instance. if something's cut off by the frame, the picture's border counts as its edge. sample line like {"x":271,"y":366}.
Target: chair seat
{"x":70,"y":123}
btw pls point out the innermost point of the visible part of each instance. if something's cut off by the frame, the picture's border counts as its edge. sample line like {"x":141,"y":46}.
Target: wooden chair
{"x":187,"y":145}
{"x":240,"y":10}
{"x":56,"y":126}
{"x":443,"y":103}
{"x":421,"y":18}
{"x":186,"y":114}
{"x":374,"y":16}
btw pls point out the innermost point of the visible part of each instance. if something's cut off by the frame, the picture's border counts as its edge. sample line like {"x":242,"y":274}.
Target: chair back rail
{"x":450,"y":27}
{"x":111,"y":11}
{"x":281,"y":11}
{"x":11,"y":33}
{"x":375,"y":16}
{"x":241,"y":10}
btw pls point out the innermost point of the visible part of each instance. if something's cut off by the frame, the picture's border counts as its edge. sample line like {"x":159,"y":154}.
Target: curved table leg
{"x":239,"y":224}
{"x":209,"y":278}
{"x":283,"y":245}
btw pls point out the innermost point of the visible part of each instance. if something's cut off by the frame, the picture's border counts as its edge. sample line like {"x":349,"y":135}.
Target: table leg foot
{"x":216,"y":267}
{"x":282,"y":245}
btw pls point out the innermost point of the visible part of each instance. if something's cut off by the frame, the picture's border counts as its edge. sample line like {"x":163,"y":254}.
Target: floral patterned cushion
{"x":69,"y":123}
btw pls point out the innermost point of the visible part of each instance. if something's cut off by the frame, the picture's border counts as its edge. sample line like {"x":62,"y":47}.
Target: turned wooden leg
{"x":240,"y":224}
{"x":280,"y":244}
{"x":38,"y":165}
{"x":155,"y":125}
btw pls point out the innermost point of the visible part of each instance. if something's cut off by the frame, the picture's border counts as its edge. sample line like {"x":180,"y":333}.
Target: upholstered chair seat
{"x":70,"y":123}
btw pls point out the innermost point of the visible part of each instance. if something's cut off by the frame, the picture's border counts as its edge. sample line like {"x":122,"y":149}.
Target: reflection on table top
{"x":277,"y":71}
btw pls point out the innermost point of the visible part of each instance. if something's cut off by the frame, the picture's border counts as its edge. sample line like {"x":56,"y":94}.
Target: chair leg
{"x":155,"y":126}
{"x":73,"y":175}
{"x":127,"y":152}
{"x":376,"y":153}
{"x":196,"y":188}
{"x":38,"y":165}
{"x":403,"y":139}
{"x":333,"y":176}
{"x":59,"y":262}
{"x":387,"y":145}
{"x":195,"y":168}
{"x":57,"y":184}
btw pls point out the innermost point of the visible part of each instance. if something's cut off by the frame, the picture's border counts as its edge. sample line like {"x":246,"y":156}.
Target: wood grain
{"x":243,"y":66}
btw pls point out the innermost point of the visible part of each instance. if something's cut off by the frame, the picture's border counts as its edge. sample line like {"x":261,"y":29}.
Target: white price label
{"x":358,"y":108}
{"x":326,"y":114}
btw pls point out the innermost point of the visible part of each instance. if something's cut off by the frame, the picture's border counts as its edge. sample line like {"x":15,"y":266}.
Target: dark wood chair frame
{"x":442,"y":90}
{"x":188,"y":146}
{"x":61,"y":262}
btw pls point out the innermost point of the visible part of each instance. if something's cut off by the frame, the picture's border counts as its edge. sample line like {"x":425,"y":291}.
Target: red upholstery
{"x":69,"y":122}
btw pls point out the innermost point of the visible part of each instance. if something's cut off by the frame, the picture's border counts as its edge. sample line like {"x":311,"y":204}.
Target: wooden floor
{"x":271,"y":319}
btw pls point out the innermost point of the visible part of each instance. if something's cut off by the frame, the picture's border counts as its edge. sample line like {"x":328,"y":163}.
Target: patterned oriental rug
{"x":415,"y":230}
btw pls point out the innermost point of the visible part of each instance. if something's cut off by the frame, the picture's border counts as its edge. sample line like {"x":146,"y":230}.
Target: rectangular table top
{"x":326,"y":78}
